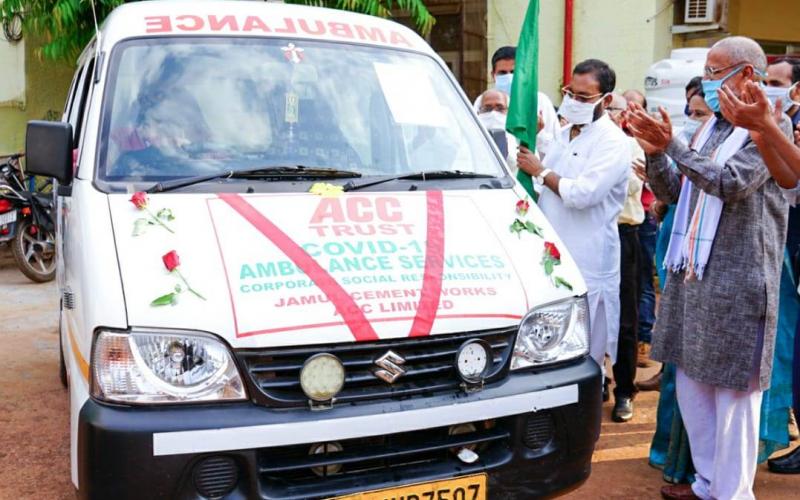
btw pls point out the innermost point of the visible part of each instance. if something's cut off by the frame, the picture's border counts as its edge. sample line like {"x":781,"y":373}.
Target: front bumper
{"x":164,"y":452}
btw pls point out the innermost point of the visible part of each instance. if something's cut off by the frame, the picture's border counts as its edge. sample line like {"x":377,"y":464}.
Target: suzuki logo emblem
{"x":390,"y":367}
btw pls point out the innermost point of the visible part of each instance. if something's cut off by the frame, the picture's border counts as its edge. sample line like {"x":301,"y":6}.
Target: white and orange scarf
{"x":691,"y":239}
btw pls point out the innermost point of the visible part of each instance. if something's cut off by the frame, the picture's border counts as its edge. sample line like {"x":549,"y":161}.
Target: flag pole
{"x":523,"y":113}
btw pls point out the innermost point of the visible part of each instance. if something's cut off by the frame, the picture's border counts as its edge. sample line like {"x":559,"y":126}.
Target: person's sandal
{"x":651,"y":384}
{"x":678,"y":492}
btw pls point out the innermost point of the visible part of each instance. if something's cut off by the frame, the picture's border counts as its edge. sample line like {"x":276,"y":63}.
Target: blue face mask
{"x":711,"y":87}
{"x":503,"y":82}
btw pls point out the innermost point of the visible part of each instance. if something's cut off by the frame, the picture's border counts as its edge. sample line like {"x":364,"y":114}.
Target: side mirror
{"x":48,"y":150}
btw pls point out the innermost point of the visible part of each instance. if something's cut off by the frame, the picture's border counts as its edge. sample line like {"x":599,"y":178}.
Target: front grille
{"x":539,"y":430}
{"x":429,"y":366}
{"x":215,"y":477}
{"x":292,"y":470}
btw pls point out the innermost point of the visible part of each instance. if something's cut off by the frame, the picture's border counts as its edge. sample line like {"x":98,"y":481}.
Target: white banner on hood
{"x":374,"y":246}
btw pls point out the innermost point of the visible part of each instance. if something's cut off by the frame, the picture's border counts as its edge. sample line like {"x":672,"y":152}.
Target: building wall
{"x":12,"y":84}
{"x":46,"y":84}
{"x":763,"y":20}
{"x":630,"y":35}
{"x":766,"y":20}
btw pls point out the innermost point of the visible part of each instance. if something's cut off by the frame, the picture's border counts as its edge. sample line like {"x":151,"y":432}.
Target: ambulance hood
{"x":298,"y":269}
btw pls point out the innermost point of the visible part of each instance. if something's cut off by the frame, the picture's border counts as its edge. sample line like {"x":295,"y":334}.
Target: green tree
{"x":66,"y":26}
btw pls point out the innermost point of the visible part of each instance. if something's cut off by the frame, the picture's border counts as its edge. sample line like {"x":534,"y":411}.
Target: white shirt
{"x":633,"y":210}
{"x":594,"y":169}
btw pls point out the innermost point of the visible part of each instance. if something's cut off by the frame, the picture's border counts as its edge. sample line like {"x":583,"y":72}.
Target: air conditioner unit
{"x":699,"y":11}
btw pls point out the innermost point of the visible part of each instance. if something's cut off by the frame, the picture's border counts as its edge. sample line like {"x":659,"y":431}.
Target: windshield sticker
{"x":381,"y":266}
{"x":292,"y":53}
{"x":292,"y":108}
{"x":410,"y":95}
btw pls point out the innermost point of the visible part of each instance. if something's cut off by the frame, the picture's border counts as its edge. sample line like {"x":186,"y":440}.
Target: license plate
{"x":462,"y":488}
{"x":8,"y":217}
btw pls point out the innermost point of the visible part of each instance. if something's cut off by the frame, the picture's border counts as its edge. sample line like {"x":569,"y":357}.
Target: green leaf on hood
{"x":139,"y":227}
{"x":533,"y":229}
{"x":165,"y":300}
{"x":517,"y":227}
{"x":561,"y":282}
{"x":165,"y":213}
{"x":548,"y":266}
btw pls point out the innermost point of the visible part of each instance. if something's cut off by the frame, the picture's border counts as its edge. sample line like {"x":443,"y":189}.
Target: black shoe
{"x":786,"y":464}
{"x":623,"y":410}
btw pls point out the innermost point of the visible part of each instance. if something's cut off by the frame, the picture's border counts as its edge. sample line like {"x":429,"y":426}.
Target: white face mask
{"x":503,"y":82}
{"x":493,"y":120}
{"x":690,"y":127}
{"x":782,"y":93}
{"x":578,"y":113}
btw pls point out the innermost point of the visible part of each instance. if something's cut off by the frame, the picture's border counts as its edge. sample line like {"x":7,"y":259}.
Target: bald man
{"x":633,"y":95}
{"x":718,"y":313}
{"x":492,"y":113}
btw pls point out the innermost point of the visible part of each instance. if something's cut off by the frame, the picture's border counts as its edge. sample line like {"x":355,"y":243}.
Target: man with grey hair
{"x":718,"y":313}
{"x":492,"y":113}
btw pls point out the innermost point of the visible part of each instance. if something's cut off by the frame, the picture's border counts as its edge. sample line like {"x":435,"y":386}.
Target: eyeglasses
{"x":711,"y":73}
{"x":487,"y":108}
{"x":578,"y":97}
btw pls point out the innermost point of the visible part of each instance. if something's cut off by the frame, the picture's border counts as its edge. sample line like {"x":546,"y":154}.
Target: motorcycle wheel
{"x":35,"y":254}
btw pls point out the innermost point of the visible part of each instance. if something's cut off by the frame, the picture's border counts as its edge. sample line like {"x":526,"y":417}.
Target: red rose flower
{"x":523,"y":206}
{"x":139,"y":199}
{"x":552,"y":250}
{"x":171,"y":260}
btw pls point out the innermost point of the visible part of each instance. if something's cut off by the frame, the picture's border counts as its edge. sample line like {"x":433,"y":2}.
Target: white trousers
{"x":722,"y":425}
{"x":603,"y":323}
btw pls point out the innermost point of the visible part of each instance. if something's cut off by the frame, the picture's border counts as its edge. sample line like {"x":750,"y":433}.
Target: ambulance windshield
{"x":192,"y":106}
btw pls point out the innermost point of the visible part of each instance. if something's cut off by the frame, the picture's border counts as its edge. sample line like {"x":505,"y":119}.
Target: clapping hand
{"x":653,"y":136}
{"x":751,"y":111}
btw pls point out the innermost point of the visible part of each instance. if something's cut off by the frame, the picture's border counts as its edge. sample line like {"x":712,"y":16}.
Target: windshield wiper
{"x":423,"y":176}
{"x":260,"y":172}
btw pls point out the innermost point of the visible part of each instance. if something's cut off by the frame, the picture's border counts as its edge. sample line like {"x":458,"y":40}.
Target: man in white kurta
{"x":585,"y":179}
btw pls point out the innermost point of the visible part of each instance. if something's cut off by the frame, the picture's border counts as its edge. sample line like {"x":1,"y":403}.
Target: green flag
{"x":523,"y":111}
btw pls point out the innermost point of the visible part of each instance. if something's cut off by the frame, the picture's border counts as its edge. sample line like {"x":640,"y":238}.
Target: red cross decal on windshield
{"x":292,"y":53}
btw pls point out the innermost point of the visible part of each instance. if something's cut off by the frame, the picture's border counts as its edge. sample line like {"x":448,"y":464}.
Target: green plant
{"x":66,"y":26}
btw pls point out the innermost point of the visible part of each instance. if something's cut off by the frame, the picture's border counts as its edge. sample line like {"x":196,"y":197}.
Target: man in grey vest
{"x":718,"y":314}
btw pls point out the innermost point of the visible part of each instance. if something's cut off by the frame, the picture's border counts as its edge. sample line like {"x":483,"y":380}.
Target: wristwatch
{"x":544,"y":173}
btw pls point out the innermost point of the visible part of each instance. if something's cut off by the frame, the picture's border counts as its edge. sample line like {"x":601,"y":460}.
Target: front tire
{"x":34,"y":252}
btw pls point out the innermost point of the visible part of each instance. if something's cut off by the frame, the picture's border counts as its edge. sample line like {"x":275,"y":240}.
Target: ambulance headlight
{"x":552,"y":333}
{"x":163,"y":367}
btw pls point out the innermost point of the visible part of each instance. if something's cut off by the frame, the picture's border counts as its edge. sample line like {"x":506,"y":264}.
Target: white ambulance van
{"x":293,"y":265}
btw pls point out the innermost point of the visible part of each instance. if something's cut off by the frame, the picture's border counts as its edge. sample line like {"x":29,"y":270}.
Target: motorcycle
{"x":26,"y":222}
